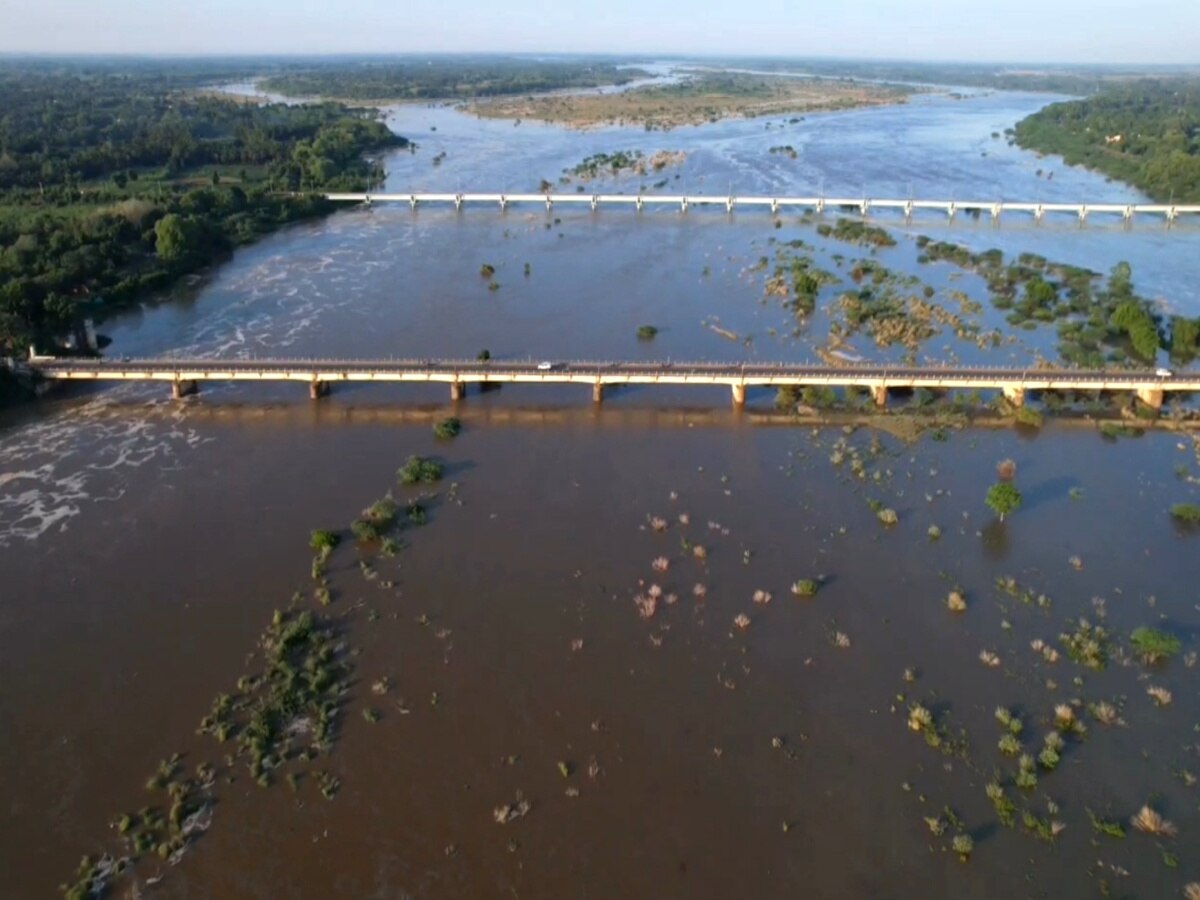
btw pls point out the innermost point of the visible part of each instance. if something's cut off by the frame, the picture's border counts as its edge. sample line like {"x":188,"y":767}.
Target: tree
{"x":1002,"y":498}
{"x":171,"y":237}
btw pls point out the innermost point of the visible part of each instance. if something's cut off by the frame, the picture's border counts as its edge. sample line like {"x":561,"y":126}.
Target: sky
{"x":1019,"y":31}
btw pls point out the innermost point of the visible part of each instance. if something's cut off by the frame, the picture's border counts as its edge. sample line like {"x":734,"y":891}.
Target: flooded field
{"x":656,"y":647}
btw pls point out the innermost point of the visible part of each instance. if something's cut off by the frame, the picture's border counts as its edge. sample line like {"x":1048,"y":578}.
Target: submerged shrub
{"x":447,"y":428}
{"x":417,"y":469}
{"x":1152,"y":645}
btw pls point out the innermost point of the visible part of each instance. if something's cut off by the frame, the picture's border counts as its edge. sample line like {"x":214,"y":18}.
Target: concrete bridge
{"x":1170,"y":212}
{"x":185,"y":375}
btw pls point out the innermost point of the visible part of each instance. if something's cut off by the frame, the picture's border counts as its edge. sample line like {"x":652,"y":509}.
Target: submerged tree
{"x":1002,"y":498}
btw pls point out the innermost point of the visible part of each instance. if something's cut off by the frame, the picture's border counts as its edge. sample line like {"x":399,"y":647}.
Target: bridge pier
{"x":683,"y":204}
{"x":598,"y":392}
{"x":739,"y":395}
{"x":595,"y":202}
{"x":729,"y":203}
{"x":180,"y":388}
{"x":1015,"y":396}
{"x":412,"y":201}
{"x":879,"y":393}
{"x":1152,"y":397}
{"x":318,"y":389}
{"x":457,"y":390}
{"x":638,"y":204}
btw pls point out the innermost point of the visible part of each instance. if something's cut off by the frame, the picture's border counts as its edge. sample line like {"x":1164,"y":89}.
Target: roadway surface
{"x":608,"y":372}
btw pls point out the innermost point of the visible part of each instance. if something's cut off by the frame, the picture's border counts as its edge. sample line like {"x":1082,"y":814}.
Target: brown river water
{"x":144,"y":546}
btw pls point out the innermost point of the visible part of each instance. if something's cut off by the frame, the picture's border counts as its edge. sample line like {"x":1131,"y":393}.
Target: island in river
{"x":704,"y":97}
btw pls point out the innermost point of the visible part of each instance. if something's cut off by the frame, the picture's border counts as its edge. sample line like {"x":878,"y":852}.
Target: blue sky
{"x":1118,"y":31}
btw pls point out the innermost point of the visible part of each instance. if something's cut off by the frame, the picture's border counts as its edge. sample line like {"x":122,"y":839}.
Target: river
{"x":145,"y":543}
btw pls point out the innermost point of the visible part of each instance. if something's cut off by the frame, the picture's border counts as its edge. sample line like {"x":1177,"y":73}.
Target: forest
{"x":1145,"y":133}
{"x":116,"y":181}
{"x":445,"y":78}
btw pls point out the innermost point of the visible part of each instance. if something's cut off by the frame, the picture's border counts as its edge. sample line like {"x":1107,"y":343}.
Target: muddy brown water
{"x":117,"y":636}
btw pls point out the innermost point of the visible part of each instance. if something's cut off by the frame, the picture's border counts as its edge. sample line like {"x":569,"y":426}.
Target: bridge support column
{"x":1152,"y":397}
{"x":879,"y":393}
{"x":1015,"y":396}
{"x":318,"y":389}
{"x":739,"y":395}
{"x":181,"y":388}
{"x":639,"y":203}
{"x":598,"y":392}
{"x":457,"y":390}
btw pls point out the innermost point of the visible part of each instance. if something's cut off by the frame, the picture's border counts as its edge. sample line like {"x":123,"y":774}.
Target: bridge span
{"x":185,"y":375}
{"x":1171,"y":212}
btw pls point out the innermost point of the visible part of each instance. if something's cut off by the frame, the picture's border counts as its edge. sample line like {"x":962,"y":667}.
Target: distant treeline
{"x":1059,"y":79}
{"x":1146,"y":133}
{"x":114,"y":182}
{"x":444,"y":78}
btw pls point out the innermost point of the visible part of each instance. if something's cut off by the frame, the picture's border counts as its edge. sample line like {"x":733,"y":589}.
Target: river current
{"x":144,"y":543}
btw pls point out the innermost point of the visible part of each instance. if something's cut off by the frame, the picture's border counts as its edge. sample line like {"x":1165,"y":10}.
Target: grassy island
{"x":705,"y":97}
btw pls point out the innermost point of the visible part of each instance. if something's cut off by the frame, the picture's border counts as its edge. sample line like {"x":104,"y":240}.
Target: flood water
{"x":144,"y":545}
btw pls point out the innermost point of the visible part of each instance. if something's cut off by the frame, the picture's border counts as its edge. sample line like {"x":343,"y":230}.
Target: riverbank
{"x":124,"y":190}
{"x":1133,"y":132}
{"x":708,"y":97}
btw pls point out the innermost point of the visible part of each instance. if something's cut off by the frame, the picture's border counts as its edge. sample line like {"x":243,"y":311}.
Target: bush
{"x":416,"y":514}
{"x":447,"y":428}
{"x":646,"y":332}
{"x":1152,"y":645}
{"x":419,"y":470}
{"x":1186,"y":512}
{"x":888,"y":516}
{"x":323,"y":541}
{"x":805,"y":587}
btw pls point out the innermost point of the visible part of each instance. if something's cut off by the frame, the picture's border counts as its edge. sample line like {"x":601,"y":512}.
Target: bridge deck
{"x":612,"y":373}
{"x":994,"y":208}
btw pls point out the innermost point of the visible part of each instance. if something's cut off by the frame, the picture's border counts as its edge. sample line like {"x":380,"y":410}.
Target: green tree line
{"x":116,"y":182}
{"x":444,"y":78}
{"x":1145,"y":133}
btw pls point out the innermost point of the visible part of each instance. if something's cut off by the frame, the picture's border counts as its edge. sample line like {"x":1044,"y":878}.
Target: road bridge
{"x":1170,"y":212}
{"x":185,"y":375}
